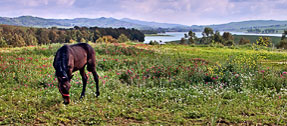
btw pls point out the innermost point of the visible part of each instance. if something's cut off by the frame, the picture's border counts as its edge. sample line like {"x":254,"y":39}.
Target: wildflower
{"x":236,"y":75}
{"x":284,"y":73}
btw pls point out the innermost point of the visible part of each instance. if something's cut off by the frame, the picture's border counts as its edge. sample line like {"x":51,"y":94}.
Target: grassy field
{"x":148,"y":85}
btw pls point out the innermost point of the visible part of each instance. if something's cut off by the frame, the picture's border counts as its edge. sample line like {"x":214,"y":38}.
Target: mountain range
{"x":88,"y":22}
{"x":138,"y":24}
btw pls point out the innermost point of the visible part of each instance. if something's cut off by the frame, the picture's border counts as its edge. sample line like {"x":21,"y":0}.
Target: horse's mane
{"x":61,"y":63}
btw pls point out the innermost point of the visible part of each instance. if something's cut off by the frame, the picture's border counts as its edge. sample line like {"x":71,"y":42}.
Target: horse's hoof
{"x":66,"y":103}
{"x":97,"y":94}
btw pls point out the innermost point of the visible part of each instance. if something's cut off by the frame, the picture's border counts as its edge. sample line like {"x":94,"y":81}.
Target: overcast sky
{"x":188,"y":12}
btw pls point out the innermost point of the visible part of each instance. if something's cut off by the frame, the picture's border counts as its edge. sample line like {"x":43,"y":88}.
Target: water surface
{"x":173,"y":36}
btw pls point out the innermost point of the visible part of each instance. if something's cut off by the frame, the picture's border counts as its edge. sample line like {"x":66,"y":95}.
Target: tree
{"x":123,"y":38}
{"x":182,"y":41}
{"x":192,"y":37}
{"x":282,"y":44}
{"x":207,"y":36}
{"x":43,"y":36}
{"x":2,"y":41}
{"x":207,"y":32}
{"x":19,"y":36}
{"x":30,"y":39}
{"x":218,"y":38}
{"x":53,"y":36}
{"x":18,"y":41}
{"x":284,"y":34}
{"x":244,"y":41}
{"x":227,"y":36}
{"x":62,"y":37}
{"x":97,"y":34}
{"x":186,"y":36}
{"x":228,"y":39}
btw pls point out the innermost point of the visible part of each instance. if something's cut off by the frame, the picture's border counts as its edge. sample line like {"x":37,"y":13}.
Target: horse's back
{"x":84,"y":54}
{"x":90,"y":55}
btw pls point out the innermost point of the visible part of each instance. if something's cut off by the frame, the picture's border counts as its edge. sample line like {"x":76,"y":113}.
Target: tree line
{"x":209,"y":37}
{"x":263,"y":31}
{"x":16,"y":36}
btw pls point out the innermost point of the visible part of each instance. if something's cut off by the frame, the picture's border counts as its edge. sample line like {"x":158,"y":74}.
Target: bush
{"x":217,"y":45}
{"x":106,"y":39}
{"x":123,"y":38}
{"x":244,"y":41}
{"x":264,"y":41}
{"x":229,"y":43}
{"x":2,"y":42}
{"x":153,"y":43}
{"x":282,"y":44}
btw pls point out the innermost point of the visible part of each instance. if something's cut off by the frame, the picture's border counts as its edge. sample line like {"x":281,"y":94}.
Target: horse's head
{"x":64,"y":87}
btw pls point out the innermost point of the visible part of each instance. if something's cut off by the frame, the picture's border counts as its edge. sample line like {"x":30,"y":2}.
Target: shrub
{"x":153,"y":42}
{"x":123,"y":38}
{"x":282,"y":44}
{"x":229,"y":43}
{"x":264,"y":41}
{"x":217,"y":45}
{"x":106,"y":39}
{"x":244,"y":41}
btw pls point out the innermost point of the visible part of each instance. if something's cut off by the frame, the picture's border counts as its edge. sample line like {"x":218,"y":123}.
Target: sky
{"x":187,"y":12}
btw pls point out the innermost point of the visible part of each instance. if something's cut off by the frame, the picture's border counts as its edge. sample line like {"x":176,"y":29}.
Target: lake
{"x":173,"y":36}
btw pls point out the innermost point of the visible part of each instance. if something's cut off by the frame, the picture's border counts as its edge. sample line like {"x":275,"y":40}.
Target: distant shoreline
{"x":156,"y":35}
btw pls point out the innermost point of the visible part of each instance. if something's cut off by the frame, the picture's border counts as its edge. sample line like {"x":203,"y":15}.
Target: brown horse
{"x":71,"y":58}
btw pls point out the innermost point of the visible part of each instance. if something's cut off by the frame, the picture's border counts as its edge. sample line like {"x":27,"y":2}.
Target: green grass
{"x":147,"y":85}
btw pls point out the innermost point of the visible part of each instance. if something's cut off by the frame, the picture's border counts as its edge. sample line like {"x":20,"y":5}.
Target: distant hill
{"x":30,"y":21}
{"x":154,"y":24}
{"x":88,"y":22}
{"x":141,"y":25}
{"x":245,"y":25}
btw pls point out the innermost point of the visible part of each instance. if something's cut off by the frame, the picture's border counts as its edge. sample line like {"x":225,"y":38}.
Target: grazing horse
{"x":70,"y":58}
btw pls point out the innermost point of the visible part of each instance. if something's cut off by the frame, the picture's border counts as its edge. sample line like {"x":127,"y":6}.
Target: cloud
{"x":188,"y":12}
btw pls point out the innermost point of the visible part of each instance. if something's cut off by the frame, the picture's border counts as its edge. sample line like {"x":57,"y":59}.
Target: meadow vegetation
{"x":144,"y":84}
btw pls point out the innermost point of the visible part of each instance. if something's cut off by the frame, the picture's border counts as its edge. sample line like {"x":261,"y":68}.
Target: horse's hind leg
{"x":84,"y":79}
{"x":92,"y":69}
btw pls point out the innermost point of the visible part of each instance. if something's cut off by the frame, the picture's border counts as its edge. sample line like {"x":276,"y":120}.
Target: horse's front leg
{"x":84,"y":79}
